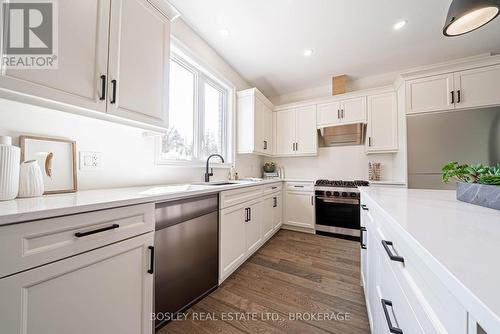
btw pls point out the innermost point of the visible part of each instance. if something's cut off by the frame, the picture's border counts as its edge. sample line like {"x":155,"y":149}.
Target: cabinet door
{"x":300,"y":209}
{"x":232,"y":239}
{"x":364,"y":251}
{"x":430,"y":94}
{"x":268,"y":217}
{"x":82,"y":59}
{"x":259,"y":126}
{"x":268,"y":130}
{"x":478,"y":87}
{"x":285,"y":132}
{"x":306,"y":137}
{"x":108,"y":290}
{"x":277,"y":211}
{"x":382,"y":122}
{"x":139,"y":52}
{"x":354,"y":110}
{"x":253,"y":227}
{"x":329,"y":113}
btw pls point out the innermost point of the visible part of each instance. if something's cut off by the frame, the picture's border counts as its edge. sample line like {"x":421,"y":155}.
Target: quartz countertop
{"x":26,"y":209}
{"x":459,"y":241}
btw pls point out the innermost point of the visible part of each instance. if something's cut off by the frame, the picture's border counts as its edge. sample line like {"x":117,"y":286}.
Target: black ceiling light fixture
{"x":467,"y":15}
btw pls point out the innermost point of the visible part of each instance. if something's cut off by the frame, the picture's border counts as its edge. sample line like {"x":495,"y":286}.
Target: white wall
{"x":128,"y":157}
{"x":335,"y":163}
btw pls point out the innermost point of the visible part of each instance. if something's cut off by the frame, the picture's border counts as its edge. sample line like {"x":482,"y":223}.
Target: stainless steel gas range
{"x":337,"y":207}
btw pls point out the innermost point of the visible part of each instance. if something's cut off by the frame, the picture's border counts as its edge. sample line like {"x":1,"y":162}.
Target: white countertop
{"x":460,"y":241}
{"x":26,"y":209}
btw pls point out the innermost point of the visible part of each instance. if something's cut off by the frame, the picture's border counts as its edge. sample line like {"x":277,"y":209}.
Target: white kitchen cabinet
{"x":81,"y":61}
{"x":277,"y":211}
{"x":430,"y":94}
{"x":479,"y":87}
{"x":232,"y":238}
{"x":296,"y":133}
{"x":107,"y":290}
{"x":253,"y":226}
{"x":268,"y":221}
{"x":299,"y":206}
{"x":347,"y":111}
{"x":382,"y":123}
{"x":472,"y":88}
{"x":139,"y":53}
{"x":254,"y":123}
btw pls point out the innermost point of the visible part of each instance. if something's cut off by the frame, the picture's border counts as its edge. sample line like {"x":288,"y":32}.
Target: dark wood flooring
{"x":296,"y":283}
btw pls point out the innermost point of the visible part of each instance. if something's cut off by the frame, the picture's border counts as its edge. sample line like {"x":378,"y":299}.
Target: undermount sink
{"x":172,"y":189}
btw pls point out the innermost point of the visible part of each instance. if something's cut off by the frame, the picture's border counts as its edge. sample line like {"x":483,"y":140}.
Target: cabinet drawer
{"x":238,"y":196}
{"x":300,"y":186}
{"x":275,"y":187}
{"x":437,"y":310}
{"x":38,"y":242}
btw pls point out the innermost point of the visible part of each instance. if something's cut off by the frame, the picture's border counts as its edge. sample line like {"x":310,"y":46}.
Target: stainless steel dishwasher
{"x":186,"y":253}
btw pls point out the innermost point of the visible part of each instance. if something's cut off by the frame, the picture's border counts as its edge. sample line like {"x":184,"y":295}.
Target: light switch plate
{"x":90,"y":160}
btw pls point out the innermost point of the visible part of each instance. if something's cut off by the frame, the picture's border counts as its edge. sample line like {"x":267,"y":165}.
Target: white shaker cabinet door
{"x":354,"y":110}
{"x":139,"y":53}
{"x":82,"y":55}
{"x":382,"y":123}
{"x":277,"y":211}
{"x":232,"y":239}
{"x":306,"y":135}
{"x":285,"y":132}
{"x":478,"y":87}
{"x":108,"y":290}
{"x":329,"y":113}
{"x":253,"y":227}
{"x":430,"y":94}
{"x":268,"y":217}
{"x":299,"y":209}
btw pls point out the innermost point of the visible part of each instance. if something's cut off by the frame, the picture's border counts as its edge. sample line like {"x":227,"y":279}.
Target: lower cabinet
{"x":107,"y":290}
{"x":299,"y":212}
{"x":246,"y":226}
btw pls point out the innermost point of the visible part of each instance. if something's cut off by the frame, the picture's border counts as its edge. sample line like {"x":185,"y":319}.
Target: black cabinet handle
{"x":369,"y":141}
{"x":362,"y":238}
{"x":274,"y":188}
{"x":459,"y":96}
{"x":393,"y":257}
{"x":103,"y":88}
{"x":452,"y":93}
{"x":249,"y":214}
{"x":299,"y":186}
{"x":296,"y":146}
{"x":265,"y":144}
{"x":113,"y":96}
{"x":338,"y":113}
{"x":99,"y":230}
{"x":392,"y":329}
{"x":364,"y":207}
{"x":312,"y":200}
{"x":152,"y":259}
{"x":342,"y":112}
{"x":275,"y":202}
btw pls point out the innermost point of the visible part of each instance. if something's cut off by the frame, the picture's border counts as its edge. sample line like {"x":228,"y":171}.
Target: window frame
{"x":203,"y":75}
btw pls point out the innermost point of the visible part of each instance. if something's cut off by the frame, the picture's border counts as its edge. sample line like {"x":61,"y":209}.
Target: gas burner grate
{"x":341,"y":183}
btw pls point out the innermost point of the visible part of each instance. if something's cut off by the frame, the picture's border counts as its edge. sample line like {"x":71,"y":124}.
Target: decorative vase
{"x":9,"y":169}
{"x":479,"y":194}
{"x":30,"y":179}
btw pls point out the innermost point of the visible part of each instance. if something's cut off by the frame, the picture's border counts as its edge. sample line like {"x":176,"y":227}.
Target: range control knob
{"x":336,"y":194}
{"x":353,"y":194}
{"x":328,"y":193}
{"x":344,"y":194}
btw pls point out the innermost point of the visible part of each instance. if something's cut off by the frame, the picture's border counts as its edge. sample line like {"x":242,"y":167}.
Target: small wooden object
{"x":338,"y":84}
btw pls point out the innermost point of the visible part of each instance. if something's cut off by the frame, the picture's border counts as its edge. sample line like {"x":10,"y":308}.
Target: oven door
{"x":344,"y":215}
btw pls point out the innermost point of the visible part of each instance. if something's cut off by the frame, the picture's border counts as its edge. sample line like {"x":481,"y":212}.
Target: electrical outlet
{"x":90,"y":160}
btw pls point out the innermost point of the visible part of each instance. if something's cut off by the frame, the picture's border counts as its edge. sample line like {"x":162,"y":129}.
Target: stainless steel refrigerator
{"x":466,"y":136}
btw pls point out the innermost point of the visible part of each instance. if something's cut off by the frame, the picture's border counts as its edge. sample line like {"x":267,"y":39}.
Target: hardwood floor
{"x":296,"y":283}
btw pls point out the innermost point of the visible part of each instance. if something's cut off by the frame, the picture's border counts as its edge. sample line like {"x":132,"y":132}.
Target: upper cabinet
{"x":255,"y":123}
{"x":477,"y":87}
{"x":296,"y":132}
{"x":118,"y":64}
{"x":139,"y":53}
{"x":343,"y":111}
{"x":382,"y":130}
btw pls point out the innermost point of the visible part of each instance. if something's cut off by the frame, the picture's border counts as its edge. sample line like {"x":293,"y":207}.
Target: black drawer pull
{"x":103,"y":88}
{"x":364,"y":207}
{"x":393,"y":257}
{"x":99,"y":230}
{"x":152,"y":259}
{"x":247,"y":215}
{"x":459,"y":96}
{"x":275,"y":202}
{"x":452,"y":93}
{"x":299,"y":186}
{"x":113,"y":95}
{"x":392,"y":329}
{"x":362,"y":238}
{"x":274,"y":188}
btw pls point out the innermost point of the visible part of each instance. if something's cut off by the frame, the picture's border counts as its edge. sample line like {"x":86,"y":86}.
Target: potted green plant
{"x":269,"y":167}
{"x":477,"y":184}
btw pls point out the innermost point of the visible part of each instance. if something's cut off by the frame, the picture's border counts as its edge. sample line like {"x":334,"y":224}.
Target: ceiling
{"x":267,"y":38}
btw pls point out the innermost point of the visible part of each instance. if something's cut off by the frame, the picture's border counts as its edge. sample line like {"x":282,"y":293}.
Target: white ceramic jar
{"x":9,"y":169}
{"x":30,"y":179}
